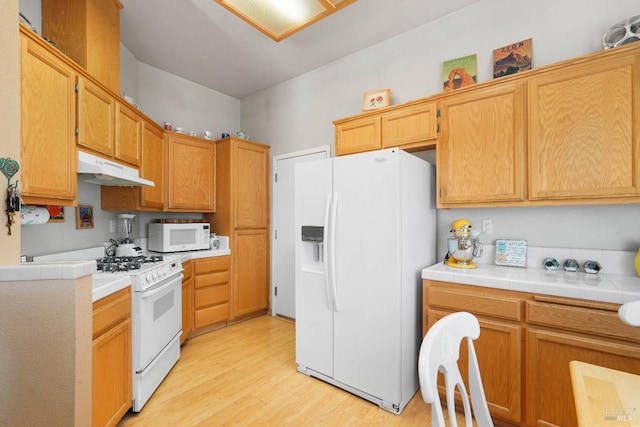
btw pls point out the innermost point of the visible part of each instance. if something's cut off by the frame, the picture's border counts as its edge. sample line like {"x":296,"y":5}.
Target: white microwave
{"x":170,"y":237}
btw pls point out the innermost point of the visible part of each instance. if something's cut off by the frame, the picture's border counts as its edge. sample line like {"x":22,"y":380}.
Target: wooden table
{"x":605,"y":397}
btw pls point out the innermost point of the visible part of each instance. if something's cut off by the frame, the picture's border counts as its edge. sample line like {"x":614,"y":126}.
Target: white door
{"x":367,"y":322}
{"x":282,"y":268}
{"x":314,"y":304}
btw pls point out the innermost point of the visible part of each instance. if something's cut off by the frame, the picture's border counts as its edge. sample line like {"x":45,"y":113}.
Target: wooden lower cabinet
{"x":111,"y":369}
{"x":498,"y":349}
{"x":250,"y":292}
{"x":187,"y":300}
{"x":211,"y":291}
{"x":526,"y":343}
{"x":549,"y":392}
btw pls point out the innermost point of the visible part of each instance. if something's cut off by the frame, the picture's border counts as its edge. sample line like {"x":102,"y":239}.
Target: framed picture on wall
{"x":84,"y":216}
{"x":56,"y":213}
{"x":376,"y":99}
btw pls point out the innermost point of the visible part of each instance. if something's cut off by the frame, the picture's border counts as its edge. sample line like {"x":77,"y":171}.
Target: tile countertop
{"x":603,"y":287}
{"x":186,"y":256}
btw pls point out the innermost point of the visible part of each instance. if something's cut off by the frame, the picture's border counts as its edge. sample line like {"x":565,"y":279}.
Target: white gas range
{"x":156,"y":309}
{"x":156,"y":283}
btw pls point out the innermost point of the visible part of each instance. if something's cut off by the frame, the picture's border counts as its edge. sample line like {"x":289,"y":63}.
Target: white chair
{"x":439,"y":352}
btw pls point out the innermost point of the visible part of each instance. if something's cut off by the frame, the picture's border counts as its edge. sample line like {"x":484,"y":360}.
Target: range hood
{"x":96,"y":170}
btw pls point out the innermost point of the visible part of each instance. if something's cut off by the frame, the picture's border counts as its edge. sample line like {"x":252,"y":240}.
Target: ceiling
{"x":201,"y":41}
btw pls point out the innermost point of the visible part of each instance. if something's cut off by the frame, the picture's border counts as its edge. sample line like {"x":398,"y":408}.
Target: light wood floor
{"x":246,"y":375}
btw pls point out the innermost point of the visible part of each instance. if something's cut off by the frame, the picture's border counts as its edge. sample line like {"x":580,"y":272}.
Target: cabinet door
{"x":251,"y":185}
{"x":499,"y":354}
{"x":358,"y":135}
{"x":250,"y":291}
{"x":111,"y":382}
{"x":102,"y":44}
{"x":152,"y":166}
{"x":410,"y":126}
{"x":481,"y":150}
{"x":96,"y":117}
{"x":48,"y":111}
{"x":111,"y":359}
{"x":128,"y":128}
{"x":192,"y":174}
{"x":549,"y":392}
{"x":584,"y":131}
{"x":187,"y":300}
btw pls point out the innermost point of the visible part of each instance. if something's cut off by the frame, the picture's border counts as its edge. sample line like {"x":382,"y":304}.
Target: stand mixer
{"x":463,"y":246}
{"x":126,"y":245}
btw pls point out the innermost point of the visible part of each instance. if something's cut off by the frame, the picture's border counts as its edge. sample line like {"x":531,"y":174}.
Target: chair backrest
{"x":439,"y":352}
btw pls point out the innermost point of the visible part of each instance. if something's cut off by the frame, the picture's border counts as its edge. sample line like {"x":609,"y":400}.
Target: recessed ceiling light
{"x":279,"y":19}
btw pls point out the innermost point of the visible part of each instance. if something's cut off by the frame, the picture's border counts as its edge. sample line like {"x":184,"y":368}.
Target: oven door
{"x":157,"y":319}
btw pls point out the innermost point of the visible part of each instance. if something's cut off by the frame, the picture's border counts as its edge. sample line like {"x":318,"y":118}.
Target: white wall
{"x":298,"y":114}
{"x":165,"y":97}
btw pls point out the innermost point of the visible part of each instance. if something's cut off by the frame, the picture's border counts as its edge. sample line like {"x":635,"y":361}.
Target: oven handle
{"x":159,"y":287}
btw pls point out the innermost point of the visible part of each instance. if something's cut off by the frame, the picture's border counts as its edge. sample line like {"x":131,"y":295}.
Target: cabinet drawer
{"x":211,"y":295}
{"x":211,"y":279}
{"x":209,"y":265}
{"x":476,"y":303}
{"x":111,"y":310}
{"x":209,"y":316}
{"x":580,"y":319}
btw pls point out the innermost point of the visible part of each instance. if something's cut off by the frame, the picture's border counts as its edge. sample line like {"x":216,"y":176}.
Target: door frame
{"x":326,"y":149}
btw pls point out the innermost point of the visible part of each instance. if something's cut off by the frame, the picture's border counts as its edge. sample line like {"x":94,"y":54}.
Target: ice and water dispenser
{"x":312,"y":251}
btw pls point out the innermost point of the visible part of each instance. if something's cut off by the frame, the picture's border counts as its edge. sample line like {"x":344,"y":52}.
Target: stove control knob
{"x":155,"y":274}
{"x":148,"y":277}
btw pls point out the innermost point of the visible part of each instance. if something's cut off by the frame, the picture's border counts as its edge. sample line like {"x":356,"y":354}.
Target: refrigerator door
{"x":313,"y":301}
{"x":367,"y":330}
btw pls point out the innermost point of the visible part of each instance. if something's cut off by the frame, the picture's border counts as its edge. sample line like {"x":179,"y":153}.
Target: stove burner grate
{"x":114,"y":264}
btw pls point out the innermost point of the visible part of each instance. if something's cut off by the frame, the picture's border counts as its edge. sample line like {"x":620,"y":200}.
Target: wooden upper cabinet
{"x":89,"y":32}
{"x":584,"y":130}
{"x":414,"y":124}
{"x":481,"y":151}
{"x":408,"y":126}
{"x":96,"y":118}
{"x":48,"y":118}
{"x":356,"y":136}
{"x":152,"y":167}
{"x":251,"y":179}
{"x":127,"y":133}
{"x":191,"y":172}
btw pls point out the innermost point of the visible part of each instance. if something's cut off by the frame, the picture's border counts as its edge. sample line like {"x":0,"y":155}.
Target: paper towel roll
{"x":33,"y":215}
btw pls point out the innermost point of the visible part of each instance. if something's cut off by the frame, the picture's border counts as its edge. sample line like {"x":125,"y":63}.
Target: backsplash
{"x":612,"y":261}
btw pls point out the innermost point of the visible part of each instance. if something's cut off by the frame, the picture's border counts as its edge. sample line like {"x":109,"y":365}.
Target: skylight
{"x":279,"y":19}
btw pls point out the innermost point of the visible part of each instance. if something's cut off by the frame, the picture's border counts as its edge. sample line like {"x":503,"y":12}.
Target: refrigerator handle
{"x":325,"y":250}
{"x":332,"y":242}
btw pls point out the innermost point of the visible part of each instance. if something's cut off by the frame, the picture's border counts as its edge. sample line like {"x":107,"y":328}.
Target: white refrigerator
{"x":365,"y":228}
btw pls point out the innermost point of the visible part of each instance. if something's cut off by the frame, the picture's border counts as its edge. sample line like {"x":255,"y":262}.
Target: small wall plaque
{"x":511,"y":253}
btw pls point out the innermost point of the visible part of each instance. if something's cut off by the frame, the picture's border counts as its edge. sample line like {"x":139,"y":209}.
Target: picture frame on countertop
{"x":376,"y":99}
{"x":56,"y":213}
{"x":84,"y":217}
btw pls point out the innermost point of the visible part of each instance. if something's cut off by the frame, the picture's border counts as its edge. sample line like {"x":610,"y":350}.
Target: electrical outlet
{"x":112,"y":226}
{"x":487,"y":226}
